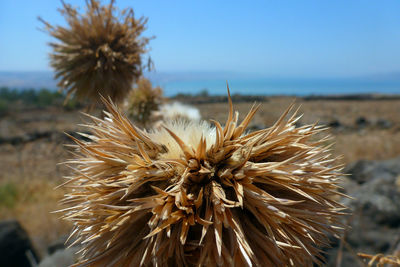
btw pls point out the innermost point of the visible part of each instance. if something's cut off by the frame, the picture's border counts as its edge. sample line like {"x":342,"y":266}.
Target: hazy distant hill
{"x":31,"y":79}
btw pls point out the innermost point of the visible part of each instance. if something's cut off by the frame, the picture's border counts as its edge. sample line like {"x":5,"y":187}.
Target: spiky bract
{"x":99,"y":52}
{"x":201,"y":195}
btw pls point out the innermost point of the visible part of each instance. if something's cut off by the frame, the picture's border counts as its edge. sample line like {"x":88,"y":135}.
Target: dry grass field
{"x":31,"y":148}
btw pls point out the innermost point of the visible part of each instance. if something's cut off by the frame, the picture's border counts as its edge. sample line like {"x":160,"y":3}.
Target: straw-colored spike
{"x":230,"y":116}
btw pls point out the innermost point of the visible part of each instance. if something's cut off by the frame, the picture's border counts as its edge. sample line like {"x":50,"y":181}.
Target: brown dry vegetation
{"x":29,"y":169}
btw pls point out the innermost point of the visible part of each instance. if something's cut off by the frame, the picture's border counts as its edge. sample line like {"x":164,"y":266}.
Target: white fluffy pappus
{"x":175,"y":110}
{"x":189,"y":131}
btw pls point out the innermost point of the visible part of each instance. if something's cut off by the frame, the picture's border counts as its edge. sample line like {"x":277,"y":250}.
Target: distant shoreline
{"x":203,"y":96}
{"x":198,"y":99}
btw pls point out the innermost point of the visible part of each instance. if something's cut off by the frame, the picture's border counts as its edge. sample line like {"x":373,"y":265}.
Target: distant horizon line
{"x":202,"y":73}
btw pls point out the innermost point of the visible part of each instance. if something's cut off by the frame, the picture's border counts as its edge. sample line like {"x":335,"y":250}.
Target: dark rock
{"x":204,"y":99}
{"x":25,"y":138}
{"x":59,"y":244}
{"x":61,"y":258}
{"x":384,"y":124}
{"x":59,"y":254}
{"x":361,"y":122}
{"x":15,"y":247}
{"x":48,"y":135}
{"x":334,"y":124}
{"x":348,"y":185}
{"x":392,"y":165}
{"x":366,"y":170}
{"x":298,"y":123}
{"x":379,"y":202}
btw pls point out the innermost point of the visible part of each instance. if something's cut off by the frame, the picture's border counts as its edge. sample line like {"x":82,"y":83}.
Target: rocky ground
{"x":374,"y":222}
{"x":366,"y":132}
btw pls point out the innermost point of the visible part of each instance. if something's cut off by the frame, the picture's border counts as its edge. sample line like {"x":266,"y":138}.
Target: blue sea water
{"x":215,"y":83}
{"x":298,"y":87}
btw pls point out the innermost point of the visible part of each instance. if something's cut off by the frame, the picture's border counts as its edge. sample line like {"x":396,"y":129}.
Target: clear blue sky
{"x":271,"y":38}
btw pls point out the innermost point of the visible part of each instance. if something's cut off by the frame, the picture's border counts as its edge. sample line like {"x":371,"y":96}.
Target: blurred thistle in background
{"x":142,"y":101}
{"x":100,"y":52}
{"x":192,"y":194}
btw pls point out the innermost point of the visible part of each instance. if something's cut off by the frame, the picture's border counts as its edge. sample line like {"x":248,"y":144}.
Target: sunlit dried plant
{"x":380,"y":260}
{"x":195,"y":194}
{"x":98,"y":52}
{"x":143,"y":100}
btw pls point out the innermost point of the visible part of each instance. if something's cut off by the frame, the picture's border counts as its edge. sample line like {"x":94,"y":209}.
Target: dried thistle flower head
{"x":143,"y":100}
{"x":99,"y":52}
{"x":192,"y":194}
